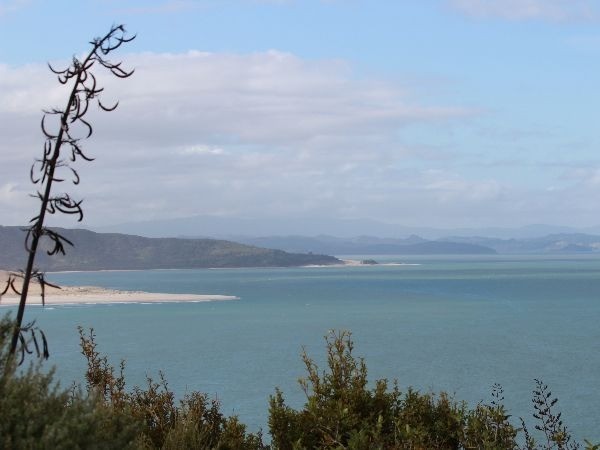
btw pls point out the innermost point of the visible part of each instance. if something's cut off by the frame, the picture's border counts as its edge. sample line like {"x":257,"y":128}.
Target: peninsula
{"x":113,"y":251}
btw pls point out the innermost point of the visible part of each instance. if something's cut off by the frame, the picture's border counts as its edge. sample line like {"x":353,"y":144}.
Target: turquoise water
{"x":450,"y":323}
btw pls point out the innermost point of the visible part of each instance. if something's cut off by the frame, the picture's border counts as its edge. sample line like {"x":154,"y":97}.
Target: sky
{"x":433,"y":113}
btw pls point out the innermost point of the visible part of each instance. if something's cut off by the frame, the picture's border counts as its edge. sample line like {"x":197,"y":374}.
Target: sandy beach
{"x":358,"y":263}
{"x":97,"y":295}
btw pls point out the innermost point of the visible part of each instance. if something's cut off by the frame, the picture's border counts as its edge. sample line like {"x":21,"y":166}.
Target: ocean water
{"x":457,"y":324}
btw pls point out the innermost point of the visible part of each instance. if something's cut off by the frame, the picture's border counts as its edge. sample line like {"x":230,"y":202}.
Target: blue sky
{"x":445,"y":113}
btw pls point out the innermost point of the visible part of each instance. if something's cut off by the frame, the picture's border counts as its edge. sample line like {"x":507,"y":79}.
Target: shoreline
{"x":94,"y":295}
{"x":358,"y":263}
{"x":91,"y":295}
{"x":342,"y":263}
{"x":81,"y":295}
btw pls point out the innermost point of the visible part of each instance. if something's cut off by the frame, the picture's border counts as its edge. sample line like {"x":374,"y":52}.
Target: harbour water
{"x":458,"y":324}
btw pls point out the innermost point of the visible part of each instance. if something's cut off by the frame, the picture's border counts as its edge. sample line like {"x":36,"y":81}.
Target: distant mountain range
{"x":415,"y":245}
{"x":224,"y":227}
{"x":367,"y":245}
{"x":551,"y":244}
{"x":98,"y":251}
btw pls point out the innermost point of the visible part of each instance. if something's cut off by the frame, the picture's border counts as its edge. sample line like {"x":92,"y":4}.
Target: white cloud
{"x":178,"y":6}
{"x":9,"y":6}
{"x":550,"y":10}
{"x":165,"y":7}
{"x":585,"y":177}
{"x":201,"y":150}
{"x":265,"y":134}
{"x":260,"y":99}
{"x":15,"y":203}
{"x":262,"y":135}
{"x":7,"y":192}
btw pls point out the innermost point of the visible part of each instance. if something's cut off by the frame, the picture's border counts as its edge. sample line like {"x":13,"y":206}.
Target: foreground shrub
{"x":342,"y":412}
{"x":195,"y":422}
{"x":35,"y":413}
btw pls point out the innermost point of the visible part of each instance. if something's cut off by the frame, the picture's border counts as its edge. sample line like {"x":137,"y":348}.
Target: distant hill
{"x":98,"y":251}
{"x":223,"y":227}
{"x":550,"y":244}
{"x":367,"y":245}
{"x":558,"y":243}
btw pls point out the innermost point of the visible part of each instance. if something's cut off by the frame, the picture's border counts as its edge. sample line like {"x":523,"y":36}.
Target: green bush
{"x":342,"y":411}
{"x":196,"y":422}
{"x":36,"y":413}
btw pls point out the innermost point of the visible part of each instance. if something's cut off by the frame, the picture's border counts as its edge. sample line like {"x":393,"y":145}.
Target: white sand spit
{"x":98,"y":295}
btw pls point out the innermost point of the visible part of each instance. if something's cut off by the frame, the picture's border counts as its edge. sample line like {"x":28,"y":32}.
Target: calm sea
{"x":458,"y":324}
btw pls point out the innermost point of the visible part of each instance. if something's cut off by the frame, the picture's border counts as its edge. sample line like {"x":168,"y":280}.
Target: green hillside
{"x":98,"y":251}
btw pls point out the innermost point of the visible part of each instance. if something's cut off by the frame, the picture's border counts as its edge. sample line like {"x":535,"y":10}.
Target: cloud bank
{"x":254,"y":135}
{"x":265,"y":133}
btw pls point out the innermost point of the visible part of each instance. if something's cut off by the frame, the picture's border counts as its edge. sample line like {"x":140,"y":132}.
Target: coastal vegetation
{"x":369,"y":262}
{"x":104,"y":251}
{"x":343,"y":410}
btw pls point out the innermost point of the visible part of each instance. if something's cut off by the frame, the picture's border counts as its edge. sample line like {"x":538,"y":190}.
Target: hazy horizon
{"x":226,"y":227}
{"x":232,"y":228}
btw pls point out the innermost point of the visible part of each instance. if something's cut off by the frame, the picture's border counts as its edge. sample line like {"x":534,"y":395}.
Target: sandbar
{"x":70,"y":295}
{"x":358,"y":263}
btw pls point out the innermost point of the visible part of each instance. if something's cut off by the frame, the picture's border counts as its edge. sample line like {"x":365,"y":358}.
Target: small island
{"x":369,"y":262}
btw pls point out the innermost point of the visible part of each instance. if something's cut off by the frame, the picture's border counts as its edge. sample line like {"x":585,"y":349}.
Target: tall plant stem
{"x":80,"y":95}
{"x":37,"y":233}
